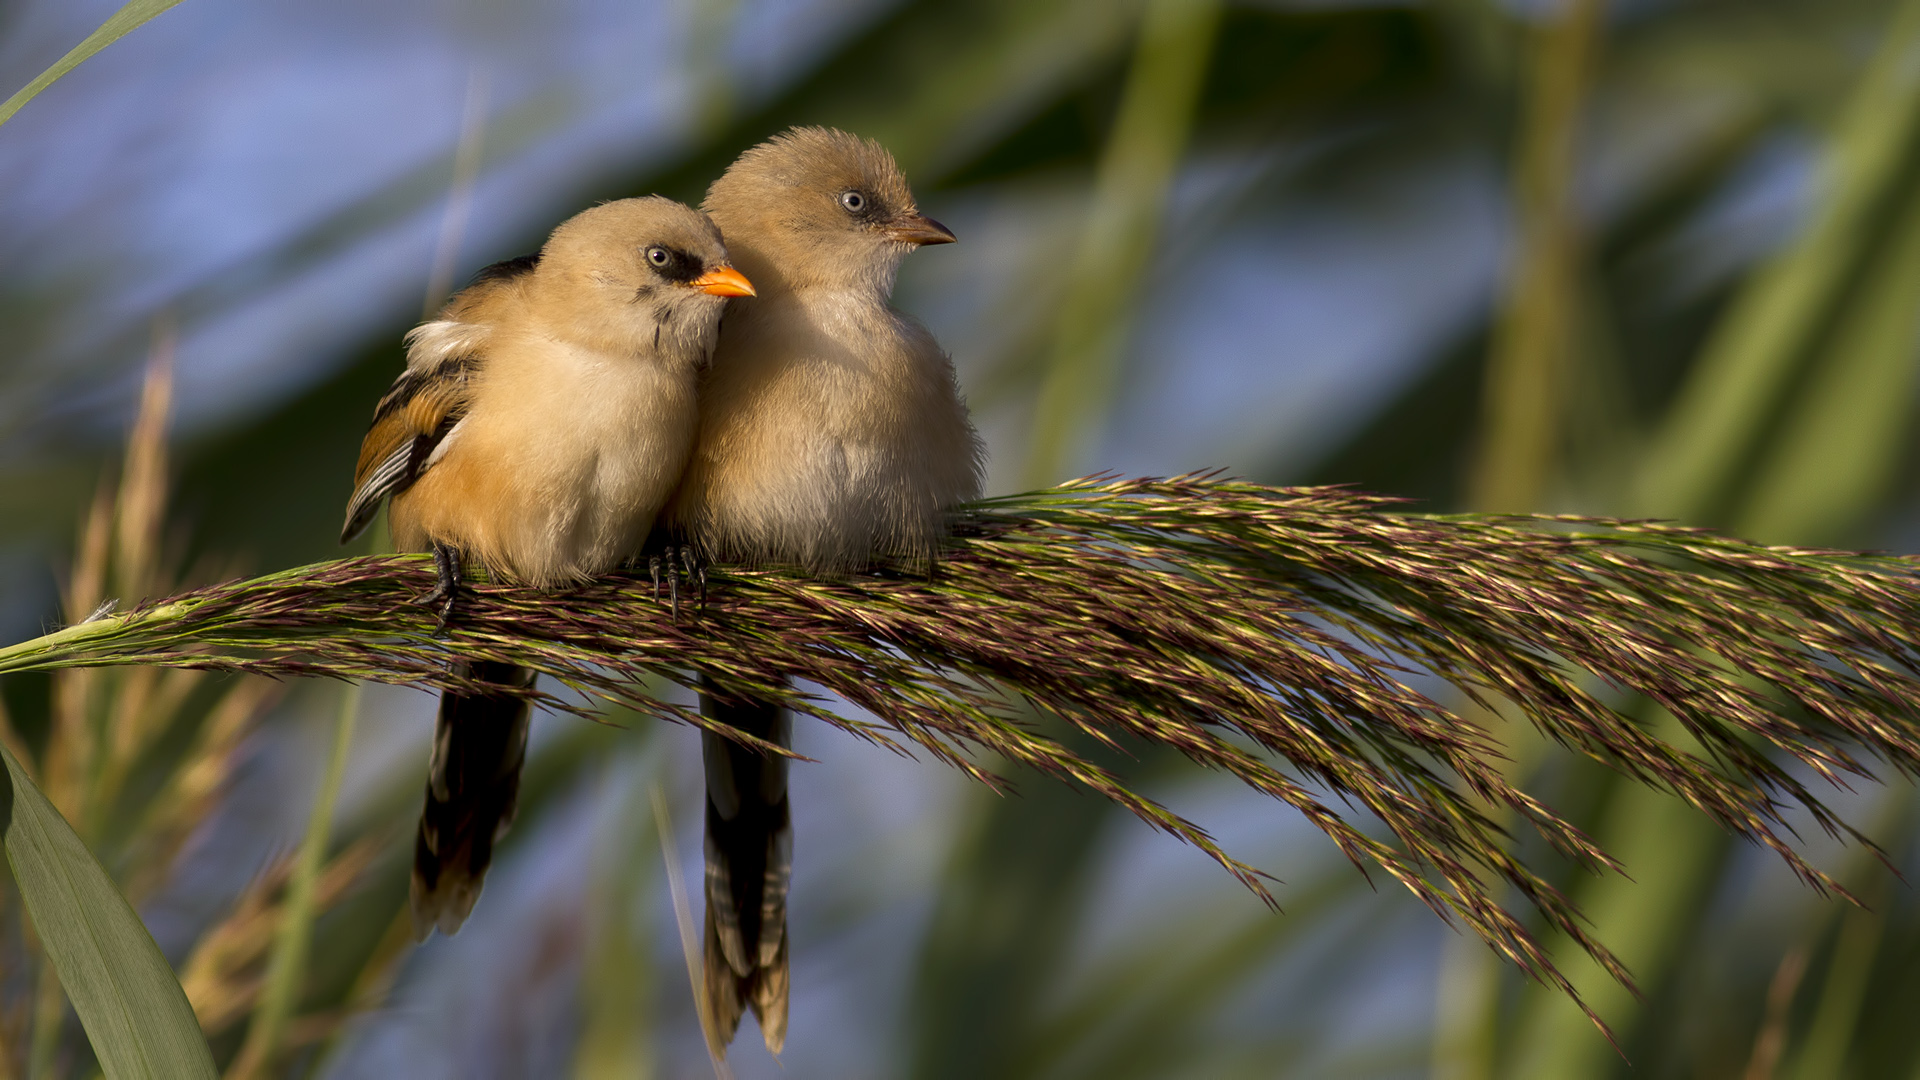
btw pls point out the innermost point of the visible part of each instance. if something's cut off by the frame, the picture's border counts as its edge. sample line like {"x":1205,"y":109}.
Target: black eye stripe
{"x":670,"y":262}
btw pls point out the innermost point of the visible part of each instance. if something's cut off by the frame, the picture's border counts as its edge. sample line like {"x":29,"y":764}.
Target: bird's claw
{"x":446,"y":590}
{"x":446,"y":612}
{"x":673,"y":582}
{"x":696,"y":572}
{"x":677,"y":565}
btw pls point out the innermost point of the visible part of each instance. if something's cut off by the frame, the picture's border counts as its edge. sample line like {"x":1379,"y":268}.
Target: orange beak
{"x":723,"y":281}
{"x":920,"y":229}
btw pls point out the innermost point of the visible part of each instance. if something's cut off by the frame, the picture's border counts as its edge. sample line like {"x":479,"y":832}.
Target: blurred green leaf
{"x":135,"y":13}
{"x":1776,"y":328}
{"x":1838,"y":450}
{"x":1136,"y":171}
{"x":128,"y":998}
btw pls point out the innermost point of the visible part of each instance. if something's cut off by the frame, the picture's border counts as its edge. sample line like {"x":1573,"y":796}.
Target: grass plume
{"x":1267,"y":633}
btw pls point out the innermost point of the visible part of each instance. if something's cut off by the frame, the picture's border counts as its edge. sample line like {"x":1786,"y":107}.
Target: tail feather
{"x":473,"y":790}
{"x":749,"y":851}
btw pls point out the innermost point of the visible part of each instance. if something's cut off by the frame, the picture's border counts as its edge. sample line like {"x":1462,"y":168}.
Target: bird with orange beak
{"x":545,"y":415}
{"x":832,"y":434}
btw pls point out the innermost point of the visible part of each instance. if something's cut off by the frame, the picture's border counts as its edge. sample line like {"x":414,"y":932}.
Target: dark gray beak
{"x":919,"y":229}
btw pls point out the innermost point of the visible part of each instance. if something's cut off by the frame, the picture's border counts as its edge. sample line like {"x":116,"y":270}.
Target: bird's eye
{"x":853,"y":201}
{"x":659,"y":256}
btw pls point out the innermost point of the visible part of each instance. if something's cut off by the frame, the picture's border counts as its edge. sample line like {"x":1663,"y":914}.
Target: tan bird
{"x":544,"y":417}
{"x":831,"y":433}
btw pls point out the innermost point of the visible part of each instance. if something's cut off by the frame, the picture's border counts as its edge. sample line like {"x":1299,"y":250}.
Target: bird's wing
{"x":415,"y":418}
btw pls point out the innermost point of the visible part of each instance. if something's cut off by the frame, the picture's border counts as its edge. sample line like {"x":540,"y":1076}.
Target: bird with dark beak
{"x":832,"y":434}
{"x":545,"y":415}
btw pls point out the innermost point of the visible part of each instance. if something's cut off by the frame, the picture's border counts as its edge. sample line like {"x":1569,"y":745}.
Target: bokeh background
{"x":1629,"y":257}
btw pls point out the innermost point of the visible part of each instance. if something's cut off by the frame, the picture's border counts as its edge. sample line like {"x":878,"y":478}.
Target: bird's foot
{"x":665,"y":563}
{"x":695,"y":570}
{"x":446,"y":590}
{"x":677,"y":565}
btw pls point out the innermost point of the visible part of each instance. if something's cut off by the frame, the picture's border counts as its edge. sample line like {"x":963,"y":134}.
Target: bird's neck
{"x":801,"y":276}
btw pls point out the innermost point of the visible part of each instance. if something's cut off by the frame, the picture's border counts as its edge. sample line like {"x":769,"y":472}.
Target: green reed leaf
{"x":134,"y":14}
{"x":128,"y":998}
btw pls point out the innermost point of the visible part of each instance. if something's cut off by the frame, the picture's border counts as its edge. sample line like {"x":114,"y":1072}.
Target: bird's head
{"x":639,"y":272}
{"x":817,"y":207}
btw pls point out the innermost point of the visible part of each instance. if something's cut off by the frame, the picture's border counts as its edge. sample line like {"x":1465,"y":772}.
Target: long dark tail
{"x":749,"y":862}
{"x":473,"y":788}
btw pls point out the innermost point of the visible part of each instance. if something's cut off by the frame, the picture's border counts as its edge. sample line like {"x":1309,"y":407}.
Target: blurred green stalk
{"x":287,"y":966}
{"x":708,"y":75}
{"x":1836,"y":1016}
{"x":689,"y":937}
{"x":1534,"y":340}
{"x":616,"y":987}
{"x":467,"y":153}
{"x":1523,"y":409}
{"x":1830,"y":1035}
{"x":1672,"y":853}
{"x":1129,"y":199}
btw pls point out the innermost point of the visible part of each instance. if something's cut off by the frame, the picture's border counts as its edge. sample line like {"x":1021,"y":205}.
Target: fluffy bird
{"x":832,"y":433}
{"x":545,"y":416}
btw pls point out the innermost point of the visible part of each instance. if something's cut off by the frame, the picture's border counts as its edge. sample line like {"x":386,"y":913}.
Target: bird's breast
{"x":564,"y":461}
{"x":827,"y":436}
